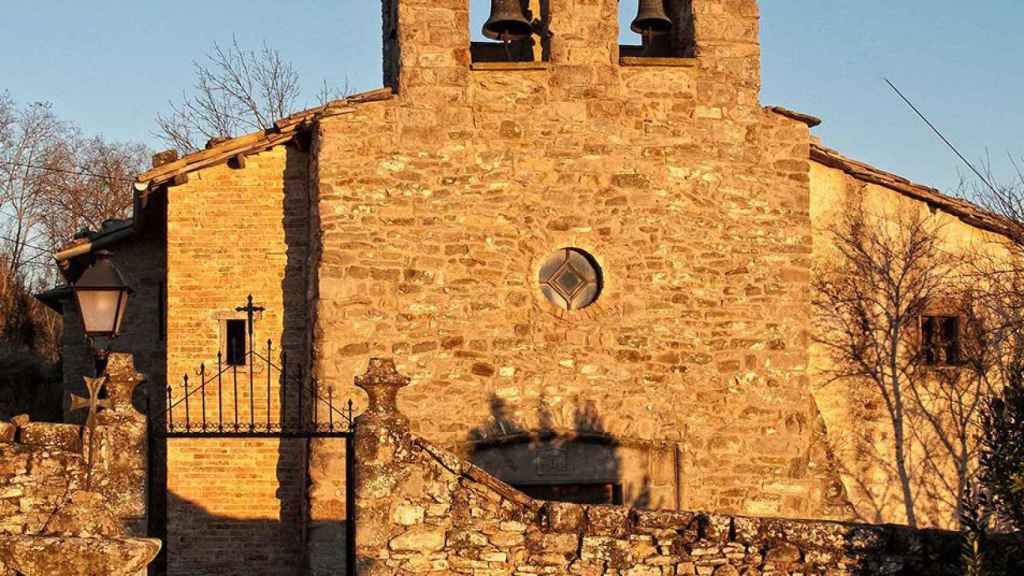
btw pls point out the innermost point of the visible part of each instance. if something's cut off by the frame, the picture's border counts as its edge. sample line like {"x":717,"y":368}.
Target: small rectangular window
{"x":940,"y":340}
{"x":235,"y":353}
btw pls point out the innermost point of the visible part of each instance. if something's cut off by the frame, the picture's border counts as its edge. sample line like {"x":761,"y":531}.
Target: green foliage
{"x":1002,"y":456}
{"x":975,"y":517}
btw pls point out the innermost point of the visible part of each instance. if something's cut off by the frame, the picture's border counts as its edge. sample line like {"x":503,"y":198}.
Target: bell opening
{"x":656,"y":29}
{"x":508,"y":31}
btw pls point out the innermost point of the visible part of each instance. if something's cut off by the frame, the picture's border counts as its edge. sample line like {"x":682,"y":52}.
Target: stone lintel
{"x":657,"y":61}
{"x":509,"y":66}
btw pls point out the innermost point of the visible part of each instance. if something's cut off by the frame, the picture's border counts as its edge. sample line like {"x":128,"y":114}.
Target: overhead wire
{"x":26,"y":244}
{"x":58,"y":171}
{"x":941,"y":136}
{"x":64,"y":171}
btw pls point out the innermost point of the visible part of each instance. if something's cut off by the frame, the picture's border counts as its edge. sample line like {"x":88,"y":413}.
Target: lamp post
{"x":102,"y":297}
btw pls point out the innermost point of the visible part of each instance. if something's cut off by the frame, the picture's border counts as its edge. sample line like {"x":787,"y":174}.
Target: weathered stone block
{"x":65,"y":437}
{"x":7,"y":430}
{"x":608,"y":521}
{"x":563,"y":517}
{"x":419,"y":539}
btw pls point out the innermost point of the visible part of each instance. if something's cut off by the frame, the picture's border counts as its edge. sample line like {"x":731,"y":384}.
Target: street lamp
{"x":102,"y":296}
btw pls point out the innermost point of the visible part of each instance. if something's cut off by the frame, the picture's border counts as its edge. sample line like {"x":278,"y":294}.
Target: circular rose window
{"x":570,"y":279}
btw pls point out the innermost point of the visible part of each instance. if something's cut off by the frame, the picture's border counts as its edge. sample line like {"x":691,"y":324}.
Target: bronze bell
{"x":507,"y":22}
{"x":651,"y":18}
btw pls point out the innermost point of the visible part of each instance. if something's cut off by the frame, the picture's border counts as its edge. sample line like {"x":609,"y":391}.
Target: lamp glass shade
{"x":102,"y":310}
{"x":102,"y":297}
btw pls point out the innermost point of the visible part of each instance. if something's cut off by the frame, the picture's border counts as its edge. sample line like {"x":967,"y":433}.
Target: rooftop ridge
{"x":282,"y":131}
{"x":966,"y":211}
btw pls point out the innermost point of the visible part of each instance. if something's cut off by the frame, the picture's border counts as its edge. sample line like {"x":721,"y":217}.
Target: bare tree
{"x":1002,"y":304}
{"x":87,"y":181}
{"x":869,"y":299}
{"x":27,"y":137}
{"x":236,"y":90}
{"x":53,"y":181}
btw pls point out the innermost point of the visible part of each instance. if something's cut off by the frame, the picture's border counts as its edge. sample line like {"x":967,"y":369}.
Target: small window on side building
{"x":235,"y":343}
{"x":940,"y":340}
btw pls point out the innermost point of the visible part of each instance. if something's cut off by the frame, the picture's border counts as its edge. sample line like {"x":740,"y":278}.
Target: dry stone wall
{"x":436,"y":209}
{"x":421,"y":510}
{"x":57,"y":516}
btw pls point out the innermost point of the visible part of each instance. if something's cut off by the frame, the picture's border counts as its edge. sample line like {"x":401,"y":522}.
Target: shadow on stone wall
{"x":434,"y":512}
{"x":292,"y":461}
{"x":565,"y":455}
{"x":206,"y":544}
{"x":199,"y":542}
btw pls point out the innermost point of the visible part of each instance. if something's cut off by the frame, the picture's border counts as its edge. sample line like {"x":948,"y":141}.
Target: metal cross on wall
{"x":250,"y":313}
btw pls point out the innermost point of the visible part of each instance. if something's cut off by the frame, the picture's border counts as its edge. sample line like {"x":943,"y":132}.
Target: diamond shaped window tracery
{"x":570,"y":279}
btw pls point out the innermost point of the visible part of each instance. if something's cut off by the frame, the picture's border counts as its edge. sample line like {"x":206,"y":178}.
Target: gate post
{"x":120,"y":471}
{"x":382,"y":442}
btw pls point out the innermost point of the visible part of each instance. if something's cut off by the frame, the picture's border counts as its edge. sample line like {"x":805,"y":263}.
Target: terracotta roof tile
{"x":811,"y":121}
{"x":283,"y":131}
{"x":967,"y":212}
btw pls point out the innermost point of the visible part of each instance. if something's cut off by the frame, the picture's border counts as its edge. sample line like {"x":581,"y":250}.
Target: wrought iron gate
{"x":235,"y":400}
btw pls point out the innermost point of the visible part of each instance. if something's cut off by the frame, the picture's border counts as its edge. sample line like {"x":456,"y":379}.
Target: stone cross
{"x":93,"y":403}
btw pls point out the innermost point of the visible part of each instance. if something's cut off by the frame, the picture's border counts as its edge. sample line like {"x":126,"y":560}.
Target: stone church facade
{"x":430,"y":221}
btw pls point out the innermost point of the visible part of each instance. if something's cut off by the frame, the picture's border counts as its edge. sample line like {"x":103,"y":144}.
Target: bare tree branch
{"x":886,"y":273}
{"x":236,"y":90}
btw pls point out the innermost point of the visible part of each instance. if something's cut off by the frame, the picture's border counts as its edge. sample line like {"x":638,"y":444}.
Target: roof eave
{"x":54,"y":298}
{"x":103,"y":240}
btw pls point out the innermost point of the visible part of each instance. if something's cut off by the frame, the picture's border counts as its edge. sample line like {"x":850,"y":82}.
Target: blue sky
{"x":112,"y":65}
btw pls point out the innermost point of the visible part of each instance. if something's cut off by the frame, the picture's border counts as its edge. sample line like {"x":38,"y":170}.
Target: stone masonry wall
{"x":47,"y":493}
{"x":142,"y":262}
{"x":236,"y":506}
{"x":421,"y":510}
{"x":859,"y":427}
{"x":230,"y":233}
{"x":437,"y":208}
